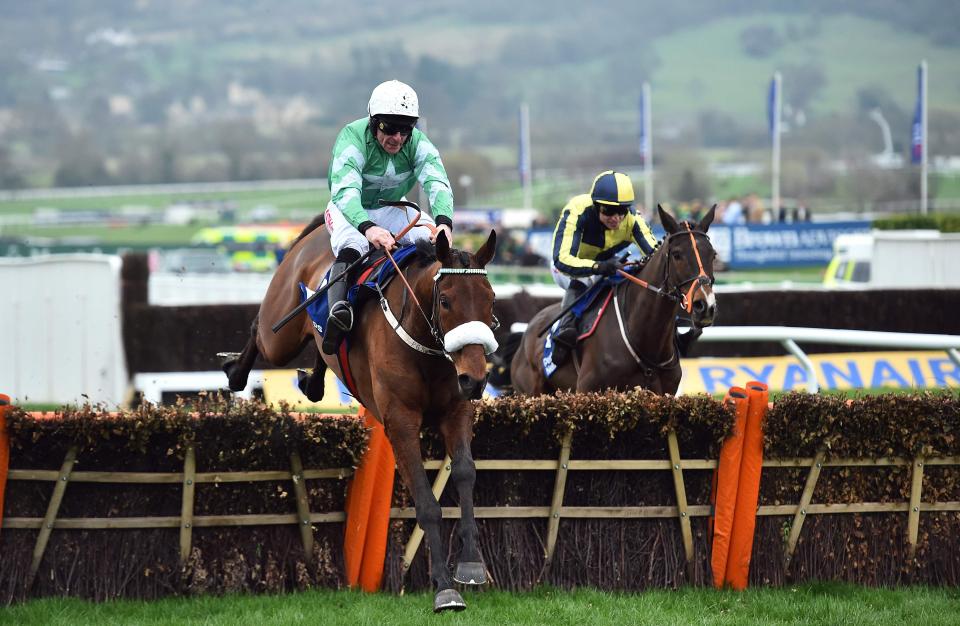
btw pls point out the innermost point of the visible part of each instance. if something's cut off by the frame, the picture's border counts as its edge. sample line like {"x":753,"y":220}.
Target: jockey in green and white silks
{"x":379,"y":157}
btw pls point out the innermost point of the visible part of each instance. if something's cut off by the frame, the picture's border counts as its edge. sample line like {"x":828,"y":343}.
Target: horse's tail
{"x":314,"y":224}
{"x":500,"y":362}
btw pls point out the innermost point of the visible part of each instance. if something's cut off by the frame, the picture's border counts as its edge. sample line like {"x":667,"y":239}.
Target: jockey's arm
{"x":643,"y":236}
{"x":566,"y":240}
{"x":433,"y":179}
{"x":345,"y":177}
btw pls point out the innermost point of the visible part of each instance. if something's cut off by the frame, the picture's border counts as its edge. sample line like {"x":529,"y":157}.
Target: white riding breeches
{"x":393,"y":218}
{"x":563,"y":280}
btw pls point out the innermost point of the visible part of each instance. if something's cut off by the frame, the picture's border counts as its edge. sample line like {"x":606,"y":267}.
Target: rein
{"x":676,"y":294}
{"x":433,"y":321}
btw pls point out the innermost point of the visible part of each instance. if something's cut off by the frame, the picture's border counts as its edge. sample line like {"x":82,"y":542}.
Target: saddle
{"x":587,"y":313}
{"x":372,"y":278}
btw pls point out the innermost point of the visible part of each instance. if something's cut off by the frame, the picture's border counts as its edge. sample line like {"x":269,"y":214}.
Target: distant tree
{"x":804,"y":83}
{"x":468,"y":167}
{"x":719,"y":130}
{"x":760,"y":42}
{"x":692,"y":187}
{"x":10,"y":176}
{"x":80,"y":164}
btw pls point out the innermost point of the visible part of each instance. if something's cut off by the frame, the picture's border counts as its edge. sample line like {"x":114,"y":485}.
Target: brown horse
{"x":423,"y":373}
{"x":633,"y":344}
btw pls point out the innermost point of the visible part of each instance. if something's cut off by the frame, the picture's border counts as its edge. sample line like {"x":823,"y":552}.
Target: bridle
{"x":677,"y":292}
{"x":451,"y":341}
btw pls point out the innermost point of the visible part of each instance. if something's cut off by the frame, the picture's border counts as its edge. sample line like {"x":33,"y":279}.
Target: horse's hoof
{"x":470,"y":573}
{"x":302,"y":378}
{"x":228,"y":358}
{"x":448,"y":600}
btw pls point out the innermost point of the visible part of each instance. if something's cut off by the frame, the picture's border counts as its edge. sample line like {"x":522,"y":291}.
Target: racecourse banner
{"x":746,"y":246}
{"x":864,"y":370}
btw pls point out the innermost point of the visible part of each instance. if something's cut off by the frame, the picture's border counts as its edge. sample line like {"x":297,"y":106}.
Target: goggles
{"x":613,"y":209}
{"x":392,"y":129}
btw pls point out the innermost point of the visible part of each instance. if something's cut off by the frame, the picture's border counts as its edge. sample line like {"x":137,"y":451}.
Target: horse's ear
{"x":707,"y":219}
{"x":487,"y":250}
{"x":443,"y":246}
{"x":669,"y":224}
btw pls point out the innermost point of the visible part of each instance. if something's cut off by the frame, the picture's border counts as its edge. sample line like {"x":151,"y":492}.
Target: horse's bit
{"x":455,"y":339}
{"x":676,"y":294}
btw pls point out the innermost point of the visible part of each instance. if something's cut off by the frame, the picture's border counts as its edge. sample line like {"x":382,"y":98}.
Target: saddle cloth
{"x":587,"y":311}
{"x":377,"y":272}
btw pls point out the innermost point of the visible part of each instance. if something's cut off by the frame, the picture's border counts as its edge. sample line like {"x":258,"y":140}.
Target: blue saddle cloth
{"x":583,"y":312}
{"x":382,"y":273}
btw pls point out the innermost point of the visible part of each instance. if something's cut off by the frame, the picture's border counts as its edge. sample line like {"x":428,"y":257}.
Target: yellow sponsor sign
{"x":282,"y":385}
{"x":848,"y":370}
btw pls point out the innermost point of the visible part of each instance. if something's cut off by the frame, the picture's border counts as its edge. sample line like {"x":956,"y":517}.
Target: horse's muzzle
{"x":704,"y":311}
{"x":471,"y":388}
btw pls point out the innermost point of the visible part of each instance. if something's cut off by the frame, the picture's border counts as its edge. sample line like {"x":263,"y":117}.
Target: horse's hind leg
{"x":457,"y":433}
{"x":237,"y":366}
{"x":403,"y":431}
{"x":312,"y":384}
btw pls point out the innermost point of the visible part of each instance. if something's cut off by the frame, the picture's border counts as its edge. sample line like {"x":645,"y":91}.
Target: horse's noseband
{"x":464,"y":334}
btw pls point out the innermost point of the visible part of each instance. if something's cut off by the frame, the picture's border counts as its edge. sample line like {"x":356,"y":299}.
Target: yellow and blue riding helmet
{"x":612,"y":191}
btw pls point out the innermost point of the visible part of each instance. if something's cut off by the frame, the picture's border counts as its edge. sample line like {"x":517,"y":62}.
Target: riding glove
{"x":607,"y":268}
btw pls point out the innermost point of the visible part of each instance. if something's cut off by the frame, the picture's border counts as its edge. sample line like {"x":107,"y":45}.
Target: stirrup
{"x":337,"y":312}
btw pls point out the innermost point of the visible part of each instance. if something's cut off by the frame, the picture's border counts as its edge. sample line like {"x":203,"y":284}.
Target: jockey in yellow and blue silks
{"x":593,"y":228}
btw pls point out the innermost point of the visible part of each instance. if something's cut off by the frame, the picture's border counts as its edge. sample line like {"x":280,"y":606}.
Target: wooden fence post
{"x":913,"y":521}
{"x":48,"y":520}
{"x":443,"y":474}
{"x":186,"y":506}
{"x":303,"y":505}
{"x":812,"y":477}
{"x":556,"y":503}
{"x":681,"y":500}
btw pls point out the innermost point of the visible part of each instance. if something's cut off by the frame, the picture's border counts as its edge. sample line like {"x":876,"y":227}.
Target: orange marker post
{"x":726,"y":480}
{"x":748,"y":490}
{"x":368,"y":510}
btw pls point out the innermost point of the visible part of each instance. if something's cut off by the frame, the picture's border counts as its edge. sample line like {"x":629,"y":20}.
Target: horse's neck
{"x":411,"y":317}
{"x":646,"y":313}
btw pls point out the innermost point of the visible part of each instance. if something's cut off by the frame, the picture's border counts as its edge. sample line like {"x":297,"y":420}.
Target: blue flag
{"x":916,"y":131}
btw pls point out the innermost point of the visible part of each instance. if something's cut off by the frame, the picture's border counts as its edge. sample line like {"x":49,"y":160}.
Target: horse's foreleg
{"x":237,"y":366}
{"x":405,"y":439}
{"x":463,"y":474}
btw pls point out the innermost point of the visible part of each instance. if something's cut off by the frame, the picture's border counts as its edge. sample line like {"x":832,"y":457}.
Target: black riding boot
{"x":565,"y":339}
{"x":340,"y":320}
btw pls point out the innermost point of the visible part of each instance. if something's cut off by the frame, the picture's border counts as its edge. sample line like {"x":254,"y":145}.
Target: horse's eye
{"x":444,"y":302}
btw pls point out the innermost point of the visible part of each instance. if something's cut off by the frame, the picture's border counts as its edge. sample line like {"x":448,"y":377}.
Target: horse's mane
{"x":315,"y":223}
{"x":427,"y":253}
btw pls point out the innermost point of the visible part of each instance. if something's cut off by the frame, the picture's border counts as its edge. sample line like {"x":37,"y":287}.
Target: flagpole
{"x":647,"y":148}
{"x":923,"y":131}
{"x":775,"y":165}
{"x":525,"y":173}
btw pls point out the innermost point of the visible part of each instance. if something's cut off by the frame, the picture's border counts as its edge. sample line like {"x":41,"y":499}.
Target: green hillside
{"x":108,"y":91}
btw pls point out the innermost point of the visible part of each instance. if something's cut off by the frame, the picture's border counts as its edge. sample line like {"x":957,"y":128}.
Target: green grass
{"x":314,"y":200}
{"x":706,"y":66}
{"x":812,"y":275}
{"x":825,"y":603}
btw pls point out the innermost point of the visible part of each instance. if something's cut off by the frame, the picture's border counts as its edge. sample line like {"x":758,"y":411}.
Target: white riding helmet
{"x":394,"y":98}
